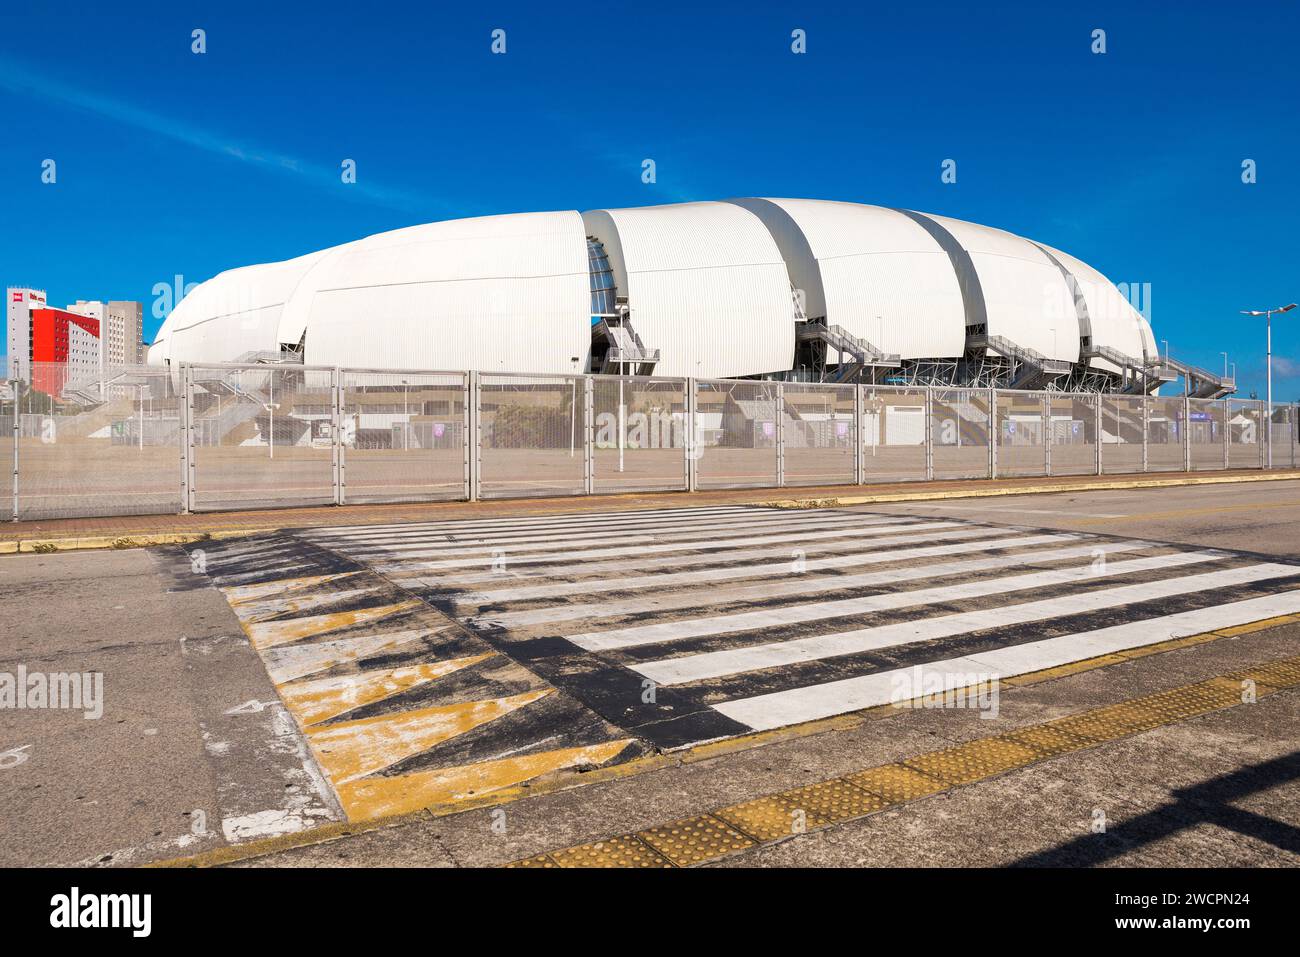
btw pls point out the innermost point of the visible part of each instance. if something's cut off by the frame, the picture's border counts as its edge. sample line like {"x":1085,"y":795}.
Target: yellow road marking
{"x":269,"y":634}
{"x":238,"y":594}
{"x":762,"y":821}
{"x":353,"y":749}
{"x":312,"y":702}
{"x":374,"y":797}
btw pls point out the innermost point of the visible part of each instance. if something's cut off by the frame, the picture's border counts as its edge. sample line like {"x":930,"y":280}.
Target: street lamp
{"x":1268,"y":325}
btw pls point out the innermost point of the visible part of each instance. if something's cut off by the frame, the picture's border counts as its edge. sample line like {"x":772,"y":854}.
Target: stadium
{"x":785,"y":289}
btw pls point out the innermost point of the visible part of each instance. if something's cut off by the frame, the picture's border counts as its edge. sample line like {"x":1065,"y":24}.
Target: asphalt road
{"x":193,"y":722}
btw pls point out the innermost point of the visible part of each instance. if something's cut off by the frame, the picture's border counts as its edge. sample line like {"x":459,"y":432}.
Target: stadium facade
{"x":793,"y":289}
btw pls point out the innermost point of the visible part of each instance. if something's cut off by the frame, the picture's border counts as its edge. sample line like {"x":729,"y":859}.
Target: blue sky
{"x":173,"y":163}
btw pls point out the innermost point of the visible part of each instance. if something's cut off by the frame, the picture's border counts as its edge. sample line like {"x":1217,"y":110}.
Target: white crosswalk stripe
{"x":764,"y":617}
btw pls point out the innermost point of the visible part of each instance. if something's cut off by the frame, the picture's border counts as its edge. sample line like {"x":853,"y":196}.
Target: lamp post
{"x":1268,"y":326}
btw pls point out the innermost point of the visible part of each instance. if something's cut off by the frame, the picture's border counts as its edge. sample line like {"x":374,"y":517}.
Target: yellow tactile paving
{"x":312,"y":702}
{"x":895,"y":783}
{"x":626,"y":851}
{"x":768,"y":818}
{"x":695,"y":840}
{"x":541,"y":860}
{"x":368,"y":798}
{"x":972,"y":761}
{"x":763,"y":820}
{"x":353,"y":749}
{"x":1047,"y":741}
{"x":272,"y":633}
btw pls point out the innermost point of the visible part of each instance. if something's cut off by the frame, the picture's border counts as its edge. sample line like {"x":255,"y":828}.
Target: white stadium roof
{"x":709,"y":285}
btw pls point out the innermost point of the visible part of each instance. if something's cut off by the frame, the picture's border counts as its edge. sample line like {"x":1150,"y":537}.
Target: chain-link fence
{"x":105,"y":442}
{"x":533,"y":435}
{"x":1123,"y":433}
{"x":261,"y":436}
{"x":1246,"y":434}
{"x":818,"y":434}
{"x":640,"y":438}
{"x":894,"y":445}
{"x":737,"y":425}
{"x":1021,"y":429}
{"x":137,"y":439}
{"x":403,"y":436}
{"x":1206,"y":435}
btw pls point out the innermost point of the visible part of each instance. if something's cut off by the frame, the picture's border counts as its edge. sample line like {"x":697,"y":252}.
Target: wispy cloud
{"x":21,"y":80}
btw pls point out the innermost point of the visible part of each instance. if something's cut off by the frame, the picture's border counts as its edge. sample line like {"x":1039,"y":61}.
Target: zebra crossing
{"x":692,"y":624}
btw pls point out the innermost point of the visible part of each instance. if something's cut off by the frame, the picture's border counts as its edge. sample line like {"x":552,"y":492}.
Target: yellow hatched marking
{"x":353,"y":749}
{"x":272,"y":633}
{"x":369,"y":798}
{"x":312,"y":702}
{"x":259,"y":611}
{"x":238,"y":594}
{"x":292,"y":662}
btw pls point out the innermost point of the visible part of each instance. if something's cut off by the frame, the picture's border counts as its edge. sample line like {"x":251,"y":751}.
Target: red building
{"x":65,"y":347}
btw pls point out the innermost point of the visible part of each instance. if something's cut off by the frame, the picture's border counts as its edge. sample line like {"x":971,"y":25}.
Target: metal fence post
{"x":1099,"y":400}
{"x":17,"y":434}
{"x":183,"y":440}
{"x":466,"y":428}
{"x":1227,"y":435}
{"x":1266,"y":452}
{"x":336,"y":432}
{"x":474,"y":412}
{"x":859,"y":458}
{"x":189,"y":480}
{"x":1146,"y":428}
{"x":588,"y":435}
{"x":1187,"y":434}
{"x":1047,"y":435}
{"x":993,"y":433}
{"x":780,"y":435}
{"x":692,"y":435}
{"x":929,"y":433}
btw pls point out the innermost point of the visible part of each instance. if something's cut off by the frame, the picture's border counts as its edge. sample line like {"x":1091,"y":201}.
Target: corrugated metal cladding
{"x":871,"y":270}
{"x":1114,"y":321}
{"x":233,"y":313}
{"x":506,"y":293}
{"x":706,"y":284}
{"x":1026,"y":297}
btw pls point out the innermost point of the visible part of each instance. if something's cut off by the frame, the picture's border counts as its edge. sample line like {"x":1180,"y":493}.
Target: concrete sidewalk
{"x":141,"y":530}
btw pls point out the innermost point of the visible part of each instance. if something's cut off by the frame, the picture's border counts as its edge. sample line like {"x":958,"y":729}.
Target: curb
{"x":46,"y":546}
{"x":1118,"y":484}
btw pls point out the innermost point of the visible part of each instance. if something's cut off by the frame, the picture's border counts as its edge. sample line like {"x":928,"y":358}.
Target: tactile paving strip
{"x":895,"y":783}
{"x":972,"y":761}
{"x":695,"y":840}
{"x":627,"y":851}
{"x":771,"y":818}
{"x":1047,"y":741}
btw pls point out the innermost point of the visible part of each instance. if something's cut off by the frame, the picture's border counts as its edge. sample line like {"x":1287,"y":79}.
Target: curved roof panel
{"x":872,"y":270}
{"x":1026,"y":297}
{"x":508,"y":293}
{"x":232,"y":314}
{"x":706,"y":286}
